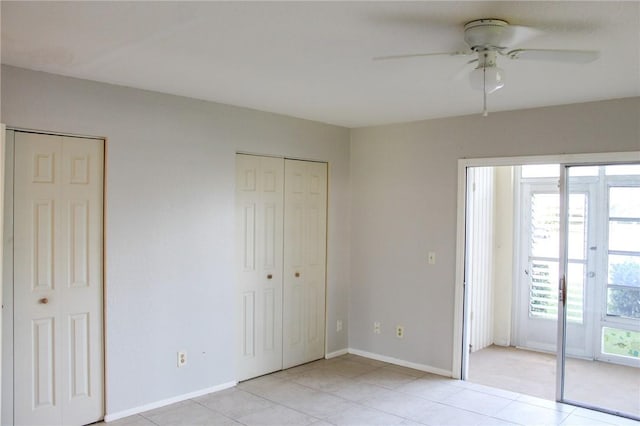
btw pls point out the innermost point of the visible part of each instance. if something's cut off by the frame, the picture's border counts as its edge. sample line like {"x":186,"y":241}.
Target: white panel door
{"x":305,"y":233}
{"x":259,"y":238}
{"x":538,"y":304}
{"x":58,"y":367}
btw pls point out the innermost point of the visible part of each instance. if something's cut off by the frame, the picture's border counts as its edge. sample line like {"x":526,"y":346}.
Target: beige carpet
{"x":609,"y":386}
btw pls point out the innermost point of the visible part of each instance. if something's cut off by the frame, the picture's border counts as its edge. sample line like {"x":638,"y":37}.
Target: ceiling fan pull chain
{"x":485,"y":112}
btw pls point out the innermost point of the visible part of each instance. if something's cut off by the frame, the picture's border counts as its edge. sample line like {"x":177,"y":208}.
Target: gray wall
{"x":404,"y":186}
{"x":170,"y":219}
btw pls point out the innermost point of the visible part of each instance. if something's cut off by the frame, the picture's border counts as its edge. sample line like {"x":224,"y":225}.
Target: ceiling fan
{"x":489,"y":38}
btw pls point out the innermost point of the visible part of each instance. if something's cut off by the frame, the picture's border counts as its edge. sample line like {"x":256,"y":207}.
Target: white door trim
{"x":7,"y":281}
{"x":459,"y":336}
{"x":2,"y":179}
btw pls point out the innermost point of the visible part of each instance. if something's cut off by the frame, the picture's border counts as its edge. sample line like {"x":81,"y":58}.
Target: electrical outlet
{"x":182,"y":358}
{"x":399,"y":332}
{"x":339,"y":325}
{"x":376,"y":327}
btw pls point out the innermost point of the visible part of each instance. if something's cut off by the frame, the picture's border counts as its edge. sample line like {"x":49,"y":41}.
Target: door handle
{"x":563,"y":290}
{"x":297,"y":274}
{"x":269,"y":276}
{"x":592,"y":274}
{"x":43,"y":301}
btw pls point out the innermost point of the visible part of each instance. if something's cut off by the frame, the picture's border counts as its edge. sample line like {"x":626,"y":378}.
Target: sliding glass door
{"x":599,"y":269}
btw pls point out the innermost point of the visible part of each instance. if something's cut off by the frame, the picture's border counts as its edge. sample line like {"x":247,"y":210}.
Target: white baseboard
{"x":141,"y":409}
{"x":403,"y":363}
{"x":337,"y":353}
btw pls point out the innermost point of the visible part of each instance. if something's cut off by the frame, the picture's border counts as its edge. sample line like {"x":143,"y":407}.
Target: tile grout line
{"x":283,"y":405}
{"x":217,"y":412}
{"x":375,"y":368}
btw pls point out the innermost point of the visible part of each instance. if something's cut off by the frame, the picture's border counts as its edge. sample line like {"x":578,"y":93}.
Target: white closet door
{"x":259,"y":238}
{"x":305,"y":232}
{"x":58,"y":367}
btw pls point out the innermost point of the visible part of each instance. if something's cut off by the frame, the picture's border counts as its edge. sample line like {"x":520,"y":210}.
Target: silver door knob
{"x":43,"y":301}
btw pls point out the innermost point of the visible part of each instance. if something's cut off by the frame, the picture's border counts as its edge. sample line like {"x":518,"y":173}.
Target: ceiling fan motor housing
{"x":485,"y":34}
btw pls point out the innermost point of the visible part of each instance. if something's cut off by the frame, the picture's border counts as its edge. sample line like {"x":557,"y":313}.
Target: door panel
{"x":42,"y":246}
{"x":304,"y":261}
{"x":613,"y":278}
{"x":538,"y":311}
{"x":58,"y":363}
{"x":259,"y":207}
{"x":247,"y":322}
{"x":80,"y":351}
{"x":43,"y":363}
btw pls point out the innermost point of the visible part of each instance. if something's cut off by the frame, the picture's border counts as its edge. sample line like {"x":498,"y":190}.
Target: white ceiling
{"x":313,"y":59}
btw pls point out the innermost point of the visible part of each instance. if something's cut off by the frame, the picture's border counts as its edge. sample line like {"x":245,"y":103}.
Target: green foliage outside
{"x":623,"y":302}
{"x":621,"y":342}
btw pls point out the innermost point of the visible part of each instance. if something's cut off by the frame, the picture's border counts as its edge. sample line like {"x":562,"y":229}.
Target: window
{"x":623,"y":256}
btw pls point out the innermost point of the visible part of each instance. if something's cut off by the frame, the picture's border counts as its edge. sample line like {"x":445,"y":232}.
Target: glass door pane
{"x":602,"y":271}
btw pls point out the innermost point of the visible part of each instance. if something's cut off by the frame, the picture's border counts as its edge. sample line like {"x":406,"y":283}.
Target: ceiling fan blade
{"x":514,"y":35}
{"x":553,"y":55}
{"x":419,"y":55}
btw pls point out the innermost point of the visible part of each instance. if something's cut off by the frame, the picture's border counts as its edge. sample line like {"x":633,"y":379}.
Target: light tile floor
{"x":352,"y":390}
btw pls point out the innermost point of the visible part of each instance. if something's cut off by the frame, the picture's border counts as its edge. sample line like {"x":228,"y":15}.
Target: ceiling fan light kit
{"x":487,"y":76}
{"x":488,"y":38}
{"x":487,"y":79}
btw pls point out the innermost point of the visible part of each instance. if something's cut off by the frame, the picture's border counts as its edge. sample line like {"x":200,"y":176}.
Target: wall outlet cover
{"x":182,"y":358}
